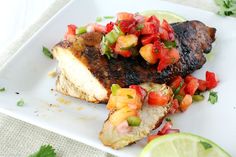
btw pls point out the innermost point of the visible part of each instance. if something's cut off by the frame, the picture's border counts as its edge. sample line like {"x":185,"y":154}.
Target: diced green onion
{"x":179,"y":98}
{"x":47,"y":53}
{"x":198,"y":97}
{"x":114,"y":88}
{"x":108,"y":17}
{"x":170,"y":44}
{"x":178,"y":89}
{"x":81,"y":30}
{"x":99,"y":19}
{"x":112,"y":36}
{"x":134,"y":121}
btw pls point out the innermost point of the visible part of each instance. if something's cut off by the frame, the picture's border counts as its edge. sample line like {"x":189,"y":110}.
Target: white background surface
{"x":17,"y":15}
{"x":35,"y":86}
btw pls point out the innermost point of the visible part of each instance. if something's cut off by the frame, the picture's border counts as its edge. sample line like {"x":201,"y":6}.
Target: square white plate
{"x":27,"y":71}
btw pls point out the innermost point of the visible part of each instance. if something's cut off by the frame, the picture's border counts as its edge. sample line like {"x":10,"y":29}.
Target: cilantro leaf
{"x":205,"y":145}
{"x":20,"y":103}
{"x":170,"y":44}
{"x":2,"y":89}
{"x":139,"y":27}
{"x":168,"y":119}
{"x":108,"y":17}
{"x":213,"y":97}
{"x":44,"y":151}
{"x":47,"y":53}
{"x":226,"y":7}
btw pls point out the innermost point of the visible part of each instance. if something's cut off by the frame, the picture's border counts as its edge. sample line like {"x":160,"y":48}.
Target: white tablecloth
{"x":19,"y":139}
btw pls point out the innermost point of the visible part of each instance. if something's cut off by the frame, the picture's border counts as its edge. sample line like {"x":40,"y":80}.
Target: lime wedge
{"x":167,"y":15}
{"x":182,"y":145}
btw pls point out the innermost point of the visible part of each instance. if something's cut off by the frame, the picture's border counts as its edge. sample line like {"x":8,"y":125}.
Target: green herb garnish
{"x":213,"y":97}
{"x":99,"y":19}
{"x":170,"y":44}
{"x":130,"y":96}
{"x":44,"y":151}
{"x":108,"y":17}
{"x":179,"y":98}
{"x":114,"y":88}
{"x":178,"y":89}
{"x":168,"y":119}
{"x":139,"y":27}
{"x":47,"y":53}
{"x":226,"y":7}
{"x":205,"y":145}
{"x":20,"y":103}
{"x":2,"y":89}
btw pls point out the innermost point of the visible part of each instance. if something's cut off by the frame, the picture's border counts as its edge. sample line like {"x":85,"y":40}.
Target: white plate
{"x":26,"y":73}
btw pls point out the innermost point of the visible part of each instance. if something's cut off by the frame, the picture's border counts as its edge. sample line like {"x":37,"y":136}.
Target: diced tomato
{"x":71,"y":29}
{"x":157,"y":98}
{"x":134,"y":31}
{"x":164,"y":34}
{"x":99,"y":28}
{"x":166,"y":127}
{"x":141,"y":91}
{"x":192,"y":86}
{"x":176,"y":82}
{"x":124,"y":53}
{"x":188,"y":78}
{"x":125,"y":16}
{"x":175,"y":106}
{"x":126,"y":25}
{"x":202,"y":85}
{"x":109,"y":27}
{"x":186,"y":102}
{"x":151,"y":137}
{"x":149,"y":28}
{"x":147,"y":39}
{"x":147,"y":53}
{"x":168,"y":57}
{"x":154,"y":20}
{"x":211,"y":80}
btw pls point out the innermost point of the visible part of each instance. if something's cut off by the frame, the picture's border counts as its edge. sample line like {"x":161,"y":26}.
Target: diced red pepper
{"x":169,"y":33}
{"x":109,"y":27}
{"x":141,"y":91}
{"x":166,"y":26}
{"x":211,"y":80}
{"x":149,"y":28}
{"x":192,"y":87}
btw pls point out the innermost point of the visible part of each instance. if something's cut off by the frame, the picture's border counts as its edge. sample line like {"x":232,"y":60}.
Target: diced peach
{"x":147,"y":53}
{"x":120,"y":115}
{"x":186,"y":102}
{"x":127,"y":41}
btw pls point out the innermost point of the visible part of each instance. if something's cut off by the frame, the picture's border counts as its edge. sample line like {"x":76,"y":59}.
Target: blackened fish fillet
{"x":88,"y":75}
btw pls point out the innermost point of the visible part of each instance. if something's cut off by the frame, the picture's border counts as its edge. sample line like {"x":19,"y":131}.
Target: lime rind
{"x":168,"y":140}
{"x":162,"y":14}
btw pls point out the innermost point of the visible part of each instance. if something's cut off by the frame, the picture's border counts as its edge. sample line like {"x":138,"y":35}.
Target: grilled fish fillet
{"x":88,"y":75}
{"x":151,"y":117}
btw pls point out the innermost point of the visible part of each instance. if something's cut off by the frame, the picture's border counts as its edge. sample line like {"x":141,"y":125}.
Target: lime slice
{"x":182,"y":145}
{"x":167,"y":15}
